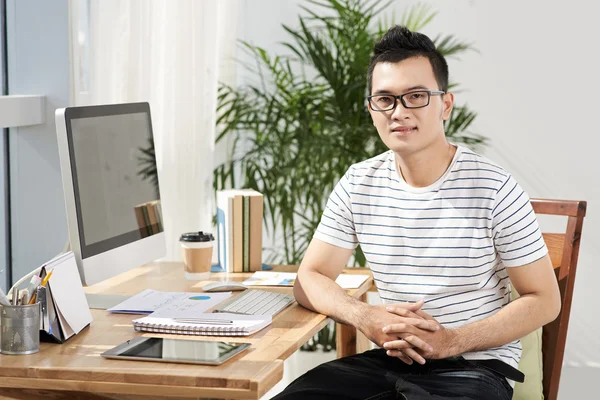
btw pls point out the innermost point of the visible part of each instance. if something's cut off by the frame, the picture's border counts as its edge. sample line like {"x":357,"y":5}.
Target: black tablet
{"x":176,"y":350}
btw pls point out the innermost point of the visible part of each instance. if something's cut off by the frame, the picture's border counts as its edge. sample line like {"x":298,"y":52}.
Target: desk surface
{"x":76,"y":365}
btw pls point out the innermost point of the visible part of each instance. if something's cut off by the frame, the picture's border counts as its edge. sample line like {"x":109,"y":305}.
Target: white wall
{"x":534,"y":83}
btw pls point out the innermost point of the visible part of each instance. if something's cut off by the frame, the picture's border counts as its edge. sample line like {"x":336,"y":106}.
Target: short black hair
{"x":399,"y":44}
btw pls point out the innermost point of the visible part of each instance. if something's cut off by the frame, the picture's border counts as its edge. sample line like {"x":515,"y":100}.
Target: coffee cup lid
{"x":196,"y":237}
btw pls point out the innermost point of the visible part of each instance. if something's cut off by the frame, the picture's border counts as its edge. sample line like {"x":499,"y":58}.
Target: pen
{"x":203,"y":321}
{"x":31,"y":289}
{"x":46,"y":279}
{"x":15,"y":296}
{"x":24,"y":297}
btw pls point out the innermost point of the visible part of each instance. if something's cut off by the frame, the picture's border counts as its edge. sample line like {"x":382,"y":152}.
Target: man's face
{"x":409,"y":130}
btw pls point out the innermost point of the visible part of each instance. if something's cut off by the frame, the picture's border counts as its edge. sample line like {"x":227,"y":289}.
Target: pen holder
{"x":20,"y":329}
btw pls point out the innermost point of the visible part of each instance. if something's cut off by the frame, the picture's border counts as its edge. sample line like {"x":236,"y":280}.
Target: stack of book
{"x":149,"y":218}
{"x":239,"y":225}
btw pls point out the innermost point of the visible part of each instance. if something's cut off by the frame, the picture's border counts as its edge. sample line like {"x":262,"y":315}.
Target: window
{"x":5,"y":257}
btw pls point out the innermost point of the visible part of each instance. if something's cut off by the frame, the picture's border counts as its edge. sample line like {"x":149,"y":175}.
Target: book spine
{"x":229,"y":238}
{"x":156,"y":207}
{"x":222,"y":231}
{"x":147,"y":219}
{"x":246,"y":235}
{"x":256,"y":221}
{"x":152,"y":219}
{"x":237,"y":223}
{"x":139,"y":216}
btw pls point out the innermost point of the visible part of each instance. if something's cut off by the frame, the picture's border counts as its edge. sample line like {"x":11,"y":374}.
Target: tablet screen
{"x":176,"y":350}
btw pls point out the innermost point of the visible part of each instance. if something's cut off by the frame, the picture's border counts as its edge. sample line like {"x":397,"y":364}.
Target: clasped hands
{"x":408,"y":333}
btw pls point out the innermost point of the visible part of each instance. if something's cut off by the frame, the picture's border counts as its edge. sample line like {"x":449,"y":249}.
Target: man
{"x":444,"y":231}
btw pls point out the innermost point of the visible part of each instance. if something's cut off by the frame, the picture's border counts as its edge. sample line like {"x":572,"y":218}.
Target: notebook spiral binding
{"x":190,"y":329}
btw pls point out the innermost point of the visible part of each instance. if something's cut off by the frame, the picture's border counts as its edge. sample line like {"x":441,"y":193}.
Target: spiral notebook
{"x":214,"y":324}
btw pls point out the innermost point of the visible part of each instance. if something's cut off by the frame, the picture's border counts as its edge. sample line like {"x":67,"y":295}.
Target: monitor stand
{"x":102,"y":301}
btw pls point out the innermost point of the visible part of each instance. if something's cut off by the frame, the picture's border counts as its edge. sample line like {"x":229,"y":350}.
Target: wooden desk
{"x":75,"y":370}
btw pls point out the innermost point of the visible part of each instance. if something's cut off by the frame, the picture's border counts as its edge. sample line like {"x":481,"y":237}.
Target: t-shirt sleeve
{"x":337,"y":222}
{"x":515,"y":229}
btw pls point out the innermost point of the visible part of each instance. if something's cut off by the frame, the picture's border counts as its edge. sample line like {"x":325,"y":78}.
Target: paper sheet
{"x":267,"y":278}
{"x":351,"y":281}
{"x":64,"y":325}
{"x":68,"y":294}
{"x":149,"y":301}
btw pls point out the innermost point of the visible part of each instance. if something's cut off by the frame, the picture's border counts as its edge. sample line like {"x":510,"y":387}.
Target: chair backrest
{"x":564,"y":251}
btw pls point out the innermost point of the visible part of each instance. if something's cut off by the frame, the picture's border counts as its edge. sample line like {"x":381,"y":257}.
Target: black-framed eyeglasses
{"x":414,"y":99}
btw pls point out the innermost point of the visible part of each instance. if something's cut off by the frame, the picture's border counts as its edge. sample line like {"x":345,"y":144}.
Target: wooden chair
{"x":564,"y":251}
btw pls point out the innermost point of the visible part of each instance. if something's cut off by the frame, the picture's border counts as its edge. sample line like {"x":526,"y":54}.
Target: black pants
{"x":374,"y":375}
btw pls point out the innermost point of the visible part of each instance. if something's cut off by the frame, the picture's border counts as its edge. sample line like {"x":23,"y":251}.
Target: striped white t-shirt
{"x":448,"y":244}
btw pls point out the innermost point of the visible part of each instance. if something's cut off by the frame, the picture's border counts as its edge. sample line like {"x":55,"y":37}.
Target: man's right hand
{"x":405,"y":314}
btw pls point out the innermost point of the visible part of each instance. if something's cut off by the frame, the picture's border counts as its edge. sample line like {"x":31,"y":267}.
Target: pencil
{"x":46,"y":278}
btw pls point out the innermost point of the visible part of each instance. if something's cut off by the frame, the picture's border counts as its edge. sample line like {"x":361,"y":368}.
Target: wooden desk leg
{"x":346,"y":338}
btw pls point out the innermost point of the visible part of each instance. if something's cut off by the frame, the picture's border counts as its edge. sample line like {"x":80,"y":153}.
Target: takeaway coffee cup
{"x":197,"y":254}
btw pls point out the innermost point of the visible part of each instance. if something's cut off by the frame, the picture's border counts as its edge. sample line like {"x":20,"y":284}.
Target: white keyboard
{"x":256,"y":302}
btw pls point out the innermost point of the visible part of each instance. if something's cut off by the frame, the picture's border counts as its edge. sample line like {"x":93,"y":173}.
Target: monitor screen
{"x":114,"y":176}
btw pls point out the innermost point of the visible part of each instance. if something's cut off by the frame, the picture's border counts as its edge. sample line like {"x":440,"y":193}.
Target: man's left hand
{"x":442,"y":342}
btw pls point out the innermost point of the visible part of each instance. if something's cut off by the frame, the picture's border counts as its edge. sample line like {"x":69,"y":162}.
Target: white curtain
{"x":168,"y":53}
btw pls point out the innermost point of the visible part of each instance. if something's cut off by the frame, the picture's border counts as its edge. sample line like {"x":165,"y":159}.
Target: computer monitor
{"x":111,"y":188}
